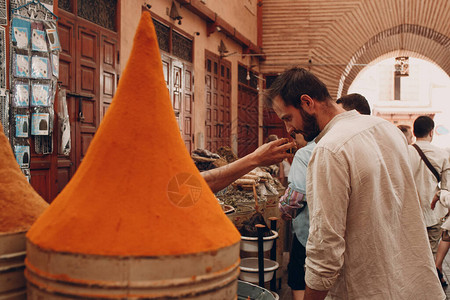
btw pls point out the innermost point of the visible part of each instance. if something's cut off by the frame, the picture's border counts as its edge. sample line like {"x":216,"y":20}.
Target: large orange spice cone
{"x":20,"y":206}
{"x":137,"y":219}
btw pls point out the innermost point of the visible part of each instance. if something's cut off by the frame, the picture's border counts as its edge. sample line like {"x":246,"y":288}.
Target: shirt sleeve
{"x":445,"y":198}
{"x":328,"y":194}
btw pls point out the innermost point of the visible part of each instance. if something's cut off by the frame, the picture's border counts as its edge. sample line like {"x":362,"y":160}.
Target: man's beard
{"x":310,"y":126}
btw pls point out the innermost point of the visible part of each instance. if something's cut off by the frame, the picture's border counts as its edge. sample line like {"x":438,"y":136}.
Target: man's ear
{"x":307,"y":103}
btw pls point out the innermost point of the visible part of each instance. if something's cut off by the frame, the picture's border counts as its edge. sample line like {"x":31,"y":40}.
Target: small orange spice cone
{"x":19,"y":202}
{"x":20,"y":206}
{"x":137,"y":218}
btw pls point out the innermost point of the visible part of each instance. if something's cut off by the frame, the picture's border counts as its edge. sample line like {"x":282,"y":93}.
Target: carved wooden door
{"x":188,"y":108}
{"x":88,"y":73}
{"x":247,"y":120}
{"x":218,"y":102}
{"x":180,"y":83}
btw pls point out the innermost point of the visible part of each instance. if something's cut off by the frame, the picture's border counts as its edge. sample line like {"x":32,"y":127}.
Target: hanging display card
{"x":40,"y":94}
{"x":39,"y":10}
{"x":55,"y":65}
{"x":21,"y":126}
{"x":39,"y":67}
{"x":22,"y":65}
{"x":4,"y":113}
{"x":38,"y":42}
{"x":22,"y":154}
{"x":21,"y":95}
{"x":2,"y":58}
{"x":39,"y":123}
{"x":27,"y":174}
{"x":3,"y":16}
{"x":53,"y":39}
{"x":20,"y":33}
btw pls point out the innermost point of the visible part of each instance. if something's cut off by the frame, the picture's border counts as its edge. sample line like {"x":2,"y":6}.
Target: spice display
{"x":19,"y":202}
{"x":248,"y":227}
{"x":207,"y":160}
{"x":227,"y":153}
{"x":137,"y":191}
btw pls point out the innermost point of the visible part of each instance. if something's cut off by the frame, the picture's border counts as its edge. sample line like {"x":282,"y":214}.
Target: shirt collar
{"x":423,"y":143}
{"x":333,"y":121}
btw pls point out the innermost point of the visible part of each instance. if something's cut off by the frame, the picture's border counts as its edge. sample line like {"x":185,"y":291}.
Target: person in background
{"x":293,"y":206}
{"x":427,"y":178}
{"x":406,"y":129}
{"x":265,"y":155}
{"x":355,"y":101}
{"x":364,"y":239}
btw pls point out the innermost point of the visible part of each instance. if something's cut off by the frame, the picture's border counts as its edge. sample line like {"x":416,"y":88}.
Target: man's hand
{"x":435,"y":200}
{"x":273,"y":152}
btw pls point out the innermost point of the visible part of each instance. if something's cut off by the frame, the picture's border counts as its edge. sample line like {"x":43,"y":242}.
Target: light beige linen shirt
{"x":426,"y":182}
{"x":367,"y":239}
{"x":445,"y":201}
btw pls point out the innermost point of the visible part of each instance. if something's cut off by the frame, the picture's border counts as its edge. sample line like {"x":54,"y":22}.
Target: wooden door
{"x":177,"y":91}
{"x":188,"y":108}
{"x":218,"y":102}
{"x":180,"y":83}
{"x":88,"y":73}
{"x":66,"y":165}
{"x":247,"y":120}
{"x":87,"y":91}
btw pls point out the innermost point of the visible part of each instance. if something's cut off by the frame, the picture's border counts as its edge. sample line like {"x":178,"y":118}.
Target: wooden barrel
{"x":12,"y":256}
{"x":203,"y":276}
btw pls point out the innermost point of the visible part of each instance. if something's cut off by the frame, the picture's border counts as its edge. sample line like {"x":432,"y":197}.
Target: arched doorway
{"x":425,"y":91}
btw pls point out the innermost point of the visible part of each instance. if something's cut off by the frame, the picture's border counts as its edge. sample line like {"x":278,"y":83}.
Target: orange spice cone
{"x":20,"y":206}
{"x":137,"y":195}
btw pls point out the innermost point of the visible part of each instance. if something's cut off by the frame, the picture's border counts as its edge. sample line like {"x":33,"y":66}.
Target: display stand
{"x":273,"y":254}
{"x":258,"y":269}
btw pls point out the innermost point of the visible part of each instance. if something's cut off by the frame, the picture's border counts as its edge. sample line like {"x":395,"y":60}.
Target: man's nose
{"x":289,"y":128}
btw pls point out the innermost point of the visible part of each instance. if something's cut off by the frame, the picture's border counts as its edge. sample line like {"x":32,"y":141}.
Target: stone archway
{"x":336,"y":39}
{"x":380,"y":44}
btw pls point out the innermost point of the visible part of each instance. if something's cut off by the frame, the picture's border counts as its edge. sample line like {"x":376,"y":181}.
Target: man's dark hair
{"x":423,"y":125}
{"x":404,"y":128}
{"x":355,"y":101}
{"x":294,"y":83}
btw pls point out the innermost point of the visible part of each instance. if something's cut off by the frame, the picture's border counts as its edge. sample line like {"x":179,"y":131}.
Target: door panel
{"x":180,"y":83}
{"x":247,"y":120}
{"x":218,"y":104}
{"x":41,"y":179}
{"x":87,"y":88}
{"x":66,"y":165}
{"x":108,"y":71}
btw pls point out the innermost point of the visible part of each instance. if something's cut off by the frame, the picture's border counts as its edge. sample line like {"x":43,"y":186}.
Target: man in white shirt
{"x":426,"y":182}
{"x":365,"y":240}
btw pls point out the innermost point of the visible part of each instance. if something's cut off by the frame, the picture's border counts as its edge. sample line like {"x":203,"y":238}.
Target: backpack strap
{"x":427,"y":162}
